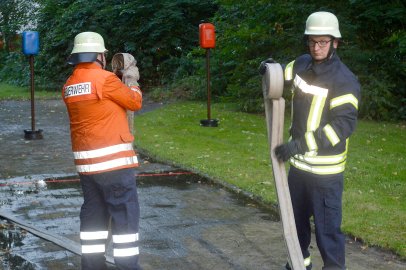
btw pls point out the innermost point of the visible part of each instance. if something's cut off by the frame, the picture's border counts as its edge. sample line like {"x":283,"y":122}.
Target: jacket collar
{"x":89,"y":65}
{"x":324,"y":66}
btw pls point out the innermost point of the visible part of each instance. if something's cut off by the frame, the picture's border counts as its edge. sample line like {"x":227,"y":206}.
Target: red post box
{"x":207,"y":35}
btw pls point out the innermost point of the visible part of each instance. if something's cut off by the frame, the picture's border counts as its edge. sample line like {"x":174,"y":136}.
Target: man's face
{"x":319,"y":47}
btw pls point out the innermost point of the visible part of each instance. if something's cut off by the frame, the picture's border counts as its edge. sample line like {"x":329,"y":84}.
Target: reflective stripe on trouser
{"x":319,"y":196}
{"x":109,"y":195}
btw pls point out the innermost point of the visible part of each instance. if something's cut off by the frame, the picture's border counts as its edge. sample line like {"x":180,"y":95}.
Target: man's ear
{"x":335,"y":43}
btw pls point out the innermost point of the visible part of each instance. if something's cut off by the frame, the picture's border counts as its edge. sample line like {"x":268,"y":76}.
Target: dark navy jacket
{"x":324,"y":112}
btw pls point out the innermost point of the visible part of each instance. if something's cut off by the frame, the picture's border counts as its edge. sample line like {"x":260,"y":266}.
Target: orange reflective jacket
{"x":97,"y":102}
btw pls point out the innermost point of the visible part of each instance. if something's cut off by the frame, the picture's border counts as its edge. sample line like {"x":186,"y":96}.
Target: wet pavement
{"x":187,"y":222}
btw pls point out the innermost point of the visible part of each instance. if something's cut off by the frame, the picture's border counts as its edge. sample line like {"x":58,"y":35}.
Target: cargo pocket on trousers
{"x":119,"y":191}
{"x":332,"y":216}
{"x":121,"y":195}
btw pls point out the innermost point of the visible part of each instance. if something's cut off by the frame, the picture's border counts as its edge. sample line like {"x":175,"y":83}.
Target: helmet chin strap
{"x":102,"y":62}
{"x":331,"y":50}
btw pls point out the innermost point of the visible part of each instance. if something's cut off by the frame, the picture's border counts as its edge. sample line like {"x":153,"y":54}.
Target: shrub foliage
{"x":163,"y":36}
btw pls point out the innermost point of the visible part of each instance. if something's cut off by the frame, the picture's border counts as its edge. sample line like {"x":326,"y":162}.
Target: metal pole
{"x":32,"y":93}
{"x":32,"y":134}
{"x":208,"y":122}
{"x":208,"y":83}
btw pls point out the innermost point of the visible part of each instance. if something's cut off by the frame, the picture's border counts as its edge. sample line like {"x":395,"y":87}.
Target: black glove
{"x":284,"y":151}
{"x":262,"y":66}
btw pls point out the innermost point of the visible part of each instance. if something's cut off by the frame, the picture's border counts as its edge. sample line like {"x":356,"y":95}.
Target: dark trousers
{"x":319,"y":196}
{"x":110,"y":195}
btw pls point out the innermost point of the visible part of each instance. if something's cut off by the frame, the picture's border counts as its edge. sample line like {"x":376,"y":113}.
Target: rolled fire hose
{"x":124,"y":63}
{"x":272,"y":87}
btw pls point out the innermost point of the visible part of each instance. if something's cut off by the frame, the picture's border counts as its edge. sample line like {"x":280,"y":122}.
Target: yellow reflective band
{"x":321,"y":160}
{"x":307,"y":261}
{"x":291,"y":107}
{"x":311,"y":141}
{"x":125,"y":238}
{"x":349,"y":98}
{"x":322,"y":170}
{"x":107,"y":164}
{"x":125,"y":252}
{"x":103,"y":151}
{"x":316,"y":110}
{"x":93,"y":248}
{"x":318,"y":102}
{"x":331,"y":134}
{"x":94,"y":235}
{"x":310,"y":89}
{"x":289,"y":71}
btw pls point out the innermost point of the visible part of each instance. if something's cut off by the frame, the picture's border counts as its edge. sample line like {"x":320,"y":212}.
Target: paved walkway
{"x":187,"y":222}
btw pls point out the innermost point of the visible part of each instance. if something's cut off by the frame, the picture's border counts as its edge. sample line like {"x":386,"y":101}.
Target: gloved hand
{"x":284,"y":151}
{"x":262,"y":66}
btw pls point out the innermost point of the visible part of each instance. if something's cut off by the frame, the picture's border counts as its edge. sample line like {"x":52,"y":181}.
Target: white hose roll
{"x":272,"y":81}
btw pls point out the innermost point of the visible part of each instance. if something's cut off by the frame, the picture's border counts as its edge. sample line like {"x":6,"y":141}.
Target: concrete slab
{"x":187,"y":222}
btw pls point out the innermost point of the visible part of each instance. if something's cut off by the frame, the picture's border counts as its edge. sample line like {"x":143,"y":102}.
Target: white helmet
{"x":322,"y":23}
{"x":86,"y":47}
{"x":88,"y":42}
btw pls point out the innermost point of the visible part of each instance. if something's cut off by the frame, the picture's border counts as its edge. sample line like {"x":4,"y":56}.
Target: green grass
{"x":8,"y":91}
{"x":237,"y":153}
{"x":375,"y":205}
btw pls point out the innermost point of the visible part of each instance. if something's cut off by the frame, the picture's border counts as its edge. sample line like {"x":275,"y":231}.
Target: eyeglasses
{"x":321,"y":43}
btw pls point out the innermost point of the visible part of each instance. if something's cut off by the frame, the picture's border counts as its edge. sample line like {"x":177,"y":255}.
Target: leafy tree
{"x":373,"y":47}
{"x":248,"y":32}
{"x":163,"y":37}
{"x":380,"y":56}
{"x":58,"y":24}
{"x":159,"y":32}
{"x":155,"y":32}
{"x":15,"y":16}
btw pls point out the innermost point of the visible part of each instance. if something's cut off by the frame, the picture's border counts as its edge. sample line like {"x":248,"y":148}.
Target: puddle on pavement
{"x":179,"y":190}
{"x":10,"y":237}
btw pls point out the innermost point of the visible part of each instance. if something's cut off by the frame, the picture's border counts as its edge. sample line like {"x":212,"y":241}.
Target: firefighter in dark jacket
{"x":325,"y":102}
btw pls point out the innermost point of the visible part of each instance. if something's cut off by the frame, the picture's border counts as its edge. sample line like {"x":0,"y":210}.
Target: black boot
{"x":287,"y":267}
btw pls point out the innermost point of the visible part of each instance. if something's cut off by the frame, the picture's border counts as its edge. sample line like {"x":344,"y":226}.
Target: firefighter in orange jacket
{"x":97,"y":101}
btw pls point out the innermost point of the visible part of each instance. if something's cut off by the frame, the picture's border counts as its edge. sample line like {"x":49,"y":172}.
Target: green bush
{"x":373,"y":48}
{"x":377,"y":101}
{"x":15,"y":69}
{"x":167,"y":50}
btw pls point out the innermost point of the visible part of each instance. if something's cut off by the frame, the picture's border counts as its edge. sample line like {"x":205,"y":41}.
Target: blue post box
{"x":30,"y":42}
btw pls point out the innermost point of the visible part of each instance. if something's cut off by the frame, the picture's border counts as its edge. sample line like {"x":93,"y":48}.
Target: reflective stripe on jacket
{"x":97,"y":102}
{"x":325,"y":100}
